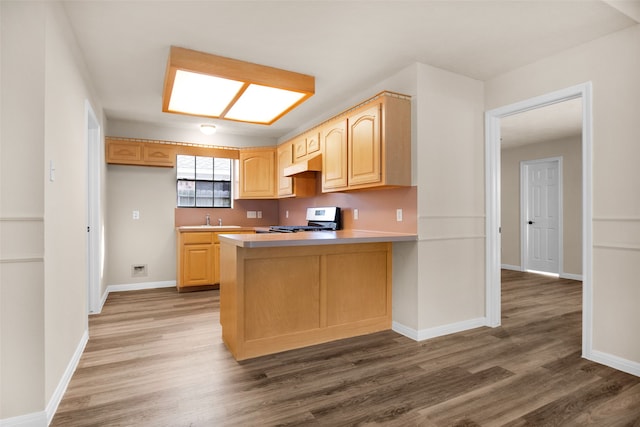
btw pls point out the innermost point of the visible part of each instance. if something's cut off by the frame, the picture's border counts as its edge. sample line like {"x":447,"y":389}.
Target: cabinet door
{"x":124,"y":152}
{"x":313,"y":142}
{"x":285,"y":159}
{"x":257,"y":174}
{"x":216,"y":263}
{"x":365,"y":149}
{"x":334,"y":160}
{"x":158,"y":155}
{"x":300,"y":148}
{"x":198,"y":265}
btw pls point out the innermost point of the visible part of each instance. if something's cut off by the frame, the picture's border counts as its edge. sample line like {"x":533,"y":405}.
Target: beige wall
{"x":43,"y":223}
{"x":67,"y":88}
{"x":450,"y":168}
{"x":570,"y":149}
{"x":22,"y":331}
{"x":612,"y":64}
{"x":151,"y":239}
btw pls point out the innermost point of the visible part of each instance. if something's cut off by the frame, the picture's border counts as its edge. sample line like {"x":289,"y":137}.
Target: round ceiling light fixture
{"x":208,"y":129}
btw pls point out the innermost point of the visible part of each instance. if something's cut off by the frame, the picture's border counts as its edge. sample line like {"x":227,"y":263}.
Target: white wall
{"x":149,"y":240}
{"x":22,"y":208}
{"x":43,"y":223}
{"x":570,"y":149}
{"x":612,"y":64}
{"x":67,"y":87}
{"x":450,"y":167}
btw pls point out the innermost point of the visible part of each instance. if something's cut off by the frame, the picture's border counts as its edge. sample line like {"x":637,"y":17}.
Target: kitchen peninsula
{"x":284,"y":291}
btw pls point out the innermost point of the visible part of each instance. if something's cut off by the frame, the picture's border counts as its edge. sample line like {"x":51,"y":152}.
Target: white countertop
{"x":311,"y":238}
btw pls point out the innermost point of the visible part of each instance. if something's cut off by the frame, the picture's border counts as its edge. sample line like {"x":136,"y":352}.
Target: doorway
{"x":541,"y":227}
{"x":493,"y":202}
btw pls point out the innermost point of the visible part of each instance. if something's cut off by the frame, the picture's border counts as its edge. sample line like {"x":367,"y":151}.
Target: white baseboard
{"x":438,"y":331}
{"x":140,"y":286}
{"x":102,"y":301}
{"x":55,"y":400}
{"x":35,"y":419}
{"x":571,"y":276}
{"x":510,"y":267}
{"x":615,"y":362}
{"x":42,"y":419}
{"x":404,"y":330}
{"x":132,"y":287}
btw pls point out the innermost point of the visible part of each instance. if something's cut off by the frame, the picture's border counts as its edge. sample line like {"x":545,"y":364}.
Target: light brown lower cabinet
{"x":280,"y":298}
{"x":198,"y":259}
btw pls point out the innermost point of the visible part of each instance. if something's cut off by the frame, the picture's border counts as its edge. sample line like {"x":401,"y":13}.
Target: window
{"x":203,"y":181}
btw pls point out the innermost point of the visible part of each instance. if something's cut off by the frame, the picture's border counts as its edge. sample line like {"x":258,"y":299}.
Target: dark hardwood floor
{"x":155,"y":358}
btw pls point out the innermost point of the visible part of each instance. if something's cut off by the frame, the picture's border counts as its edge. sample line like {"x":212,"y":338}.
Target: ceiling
{"x":548,"y":123}
{"x":347,"y":45}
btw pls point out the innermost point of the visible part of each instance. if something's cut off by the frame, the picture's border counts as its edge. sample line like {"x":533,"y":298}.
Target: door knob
{"x":530,"y":222}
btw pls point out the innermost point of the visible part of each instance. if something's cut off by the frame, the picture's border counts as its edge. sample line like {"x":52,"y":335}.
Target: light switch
{"x":398,"y":215}
{"x":52,"y":171}
{"x":251,"y":214}
{"x":355,"y":214}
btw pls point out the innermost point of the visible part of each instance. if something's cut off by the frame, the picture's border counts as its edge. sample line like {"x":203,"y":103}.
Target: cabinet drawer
{"x":201,"y":237}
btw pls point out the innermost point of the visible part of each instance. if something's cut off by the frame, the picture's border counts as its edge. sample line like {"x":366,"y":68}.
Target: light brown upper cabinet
{"x":121,"y":152}
{"x":299,"y":147}
{"x":364,"y":151}
{"x":124,"y":153}
{"x":313,"y":143}
{"x":158,"y":155}
{"x":334,"y":157}
{"x":369,"y":146}
{"x":285,"y":159}
{"x":299,"y":185}
{"x":306,"y":145}
{"x":257,"y":173}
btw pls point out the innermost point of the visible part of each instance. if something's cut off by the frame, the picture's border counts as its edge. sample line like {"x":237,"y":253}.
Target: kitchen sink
{"x":212,"y":227}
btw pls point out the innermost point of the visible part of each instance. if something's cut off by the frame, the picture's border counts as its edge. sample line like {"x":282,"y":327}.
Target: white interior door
{"x":541,"y":199}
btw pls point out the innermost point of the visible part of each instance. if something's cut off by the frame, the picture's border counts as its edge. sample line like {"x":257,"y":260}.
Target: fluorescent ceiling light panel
{"x":202,"y":95}
{"x":206,"y":85}
{"x":262,"y":104}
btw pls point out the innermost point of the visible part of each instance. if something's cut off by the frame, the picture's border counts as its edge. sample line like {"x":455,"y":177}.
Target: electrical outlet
{"x":251,"y":214}
{"x":286,"y":214}
{"x":136,"y":214}
{"x":259,"y":214}
{"x":398,"y":215}
{"x":355,"y":214}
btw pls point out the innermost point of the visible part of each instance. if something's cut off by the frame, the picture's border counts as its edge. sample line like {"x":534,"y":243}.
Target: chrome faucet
{"x":220,"y":222}
{"x":208,"y":217}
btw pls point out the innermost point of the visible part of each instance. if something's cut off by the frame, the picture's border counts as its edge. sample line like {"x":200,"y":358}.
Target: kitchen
{"x":386,"y":117}
{"x":48,"y":310}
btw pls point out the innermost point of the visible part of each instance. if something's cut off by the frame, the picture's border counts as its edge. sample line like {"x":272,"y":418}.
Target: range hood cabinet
{"x":307,"y":166}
